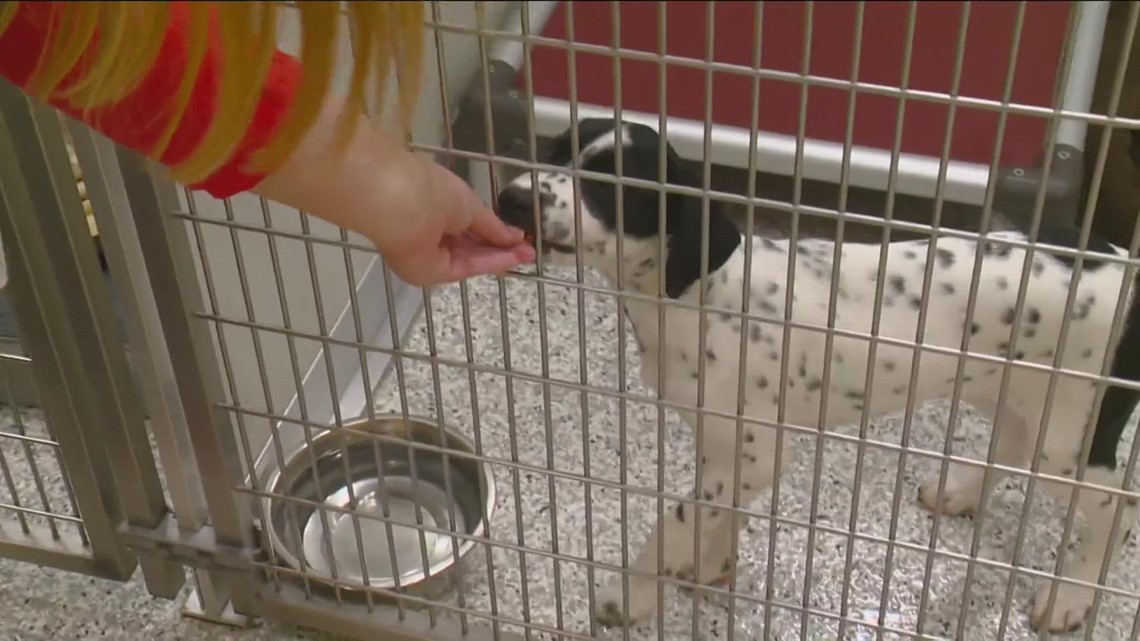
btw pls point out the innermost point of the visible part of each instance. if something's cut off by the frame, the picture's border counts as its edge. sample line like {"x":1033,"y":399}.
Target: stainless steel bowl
{"x":324,"y":544}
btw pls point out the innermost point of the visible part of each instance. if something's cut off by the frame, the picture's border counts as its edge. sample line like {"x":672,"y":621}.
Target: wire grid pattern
{"x":35,"y":492}
{"x":539,"y":370}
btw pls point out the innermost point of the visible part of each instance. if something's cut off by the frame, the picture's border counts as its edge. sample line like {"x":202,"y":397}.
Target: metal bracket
{"x":1015,"y":194}
{"x":199,"y":549}
{"x":508,"y":114}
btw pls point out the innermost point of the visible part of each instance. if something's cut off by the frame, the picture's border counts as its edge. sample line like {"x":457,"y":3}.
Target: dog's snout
{"x":516,"y":207}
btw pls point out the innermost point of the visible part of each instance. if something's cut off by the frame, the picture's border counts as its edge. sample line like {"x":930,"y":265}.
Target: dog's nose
{"x":516,"y":207}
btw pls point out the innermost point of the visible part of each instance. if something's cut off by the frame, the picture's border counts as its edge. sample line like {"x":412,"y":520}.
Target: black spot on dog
{"x":814,"y":384}
{"x":754,"y":333}
{"x":945,"y":257}
{"x":1087,"y":353}
{"x":1007,"y":316}
{"x":897,"y":283}
{"x":680,"y":512}
{"x":768,"y":308}
{"x":762,"y":382}
{"x":771,"y":288}
{"x":854,"y":394}
{"x":1048,"y":353}
{"x":1002,"y":282}
{"x":975,"y":328}
{"x":1033,"y":316}
{"x":710,"y":355}
{"x":1081,"y":310}
{"x":915,"y":302}
{"x":719,"y":488}
{"x":947,"y":288}
{"x":899,"y":390}
{"x":910,"y":254}
{"x":1030,"y":332}
{"x":749,"y":437}
{"x":889,"y":366}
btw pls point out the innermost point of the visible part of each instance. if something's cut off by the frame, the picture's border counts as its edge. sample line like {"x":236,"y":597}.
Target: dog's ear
{"x":683,"y":262}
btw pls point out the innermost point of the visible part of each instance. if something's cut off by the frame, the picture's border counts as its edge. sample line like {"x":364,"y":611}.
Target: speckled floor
{"x":528,"y":515}
{"x":46,"y":604}
{"x":41,"y":604}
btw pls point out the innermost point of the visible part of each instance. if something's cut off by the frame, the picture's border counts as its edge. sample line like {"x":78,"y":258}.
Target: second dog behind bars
{"x":789,"y":376}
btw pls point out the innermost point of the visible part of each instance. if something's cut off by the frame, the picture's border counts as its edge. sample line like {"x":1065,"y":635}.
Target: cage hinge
{"x":198,"y":549}
{"x":1015,"y":193}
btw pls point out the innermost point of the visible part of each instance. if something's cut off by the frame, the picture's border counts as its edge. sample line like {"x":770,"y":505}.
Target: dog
{"x":996,"y":337}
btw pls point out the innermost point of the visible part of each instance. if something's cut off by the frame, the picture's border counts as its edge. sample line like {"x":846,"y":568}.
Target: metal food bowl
{"x":324,"y":543}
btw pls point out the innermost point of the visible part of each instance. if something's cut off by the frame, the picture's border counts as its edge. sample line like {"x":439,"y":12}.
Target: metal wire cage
{"x":267,"y":342}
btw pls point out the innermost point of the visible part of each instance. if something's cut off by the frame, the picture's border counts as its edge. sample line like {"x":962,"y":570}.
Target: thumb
{"x":488,"y":227}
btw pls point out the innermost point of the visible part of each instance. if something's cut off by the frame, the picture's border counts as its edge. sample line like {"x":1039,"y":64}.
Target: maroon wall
{"x":988,"y":45}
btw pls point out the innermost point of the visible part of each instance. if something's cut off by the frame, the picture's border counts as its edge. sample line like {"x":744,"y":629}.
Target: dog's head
{"x":600,"y":141}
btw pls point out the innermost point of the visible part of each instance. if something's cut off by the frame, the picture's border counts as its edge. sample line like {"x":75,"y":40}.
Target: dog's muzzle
{"x":516,"y":208}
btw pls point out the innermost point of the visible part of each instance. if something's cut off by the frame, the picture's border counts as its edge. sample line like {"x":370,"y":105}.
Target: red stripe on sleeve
{"x":138,"y":120}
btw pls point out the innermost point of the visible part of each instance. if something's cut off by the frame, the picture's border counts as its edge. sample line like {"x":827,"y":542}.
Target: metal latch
{"x":199,"y":549}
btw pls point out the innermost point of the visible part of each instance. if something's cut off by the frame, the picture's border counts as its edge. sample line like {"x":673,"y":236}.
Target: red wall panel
{"x":987,"y":52}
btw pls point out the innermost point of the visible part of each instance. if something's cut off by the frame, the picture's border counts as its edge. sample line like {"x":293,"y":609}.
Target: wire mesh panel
{"x":490,"y":458}
{"x":74,"y":456}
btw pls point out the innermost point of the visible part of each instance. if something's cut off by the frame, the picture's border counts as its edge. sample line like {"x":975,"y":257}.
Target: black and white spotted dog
{"x":802,"y":390}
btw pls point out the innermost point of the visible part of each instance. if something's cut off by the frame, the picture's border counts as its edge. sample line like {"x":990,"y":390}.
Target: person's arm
{"x":428,"y":224}
{"x":140,"y":119}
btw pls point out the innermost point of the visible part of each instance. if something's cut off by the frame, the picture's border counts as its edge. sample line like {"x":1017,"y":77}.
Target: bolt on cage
{"x":239,"y":376}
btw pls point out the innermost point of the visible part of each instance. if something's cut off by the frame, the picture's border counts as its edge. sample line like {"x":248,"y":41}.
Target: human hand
{"x":439,"y":231}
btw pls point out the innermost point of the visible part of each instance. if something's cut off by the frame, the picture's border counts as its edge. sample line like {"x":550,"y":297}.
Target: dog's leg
{"x":1059,"y":457}
{"x":967,"y":486}
{"x":1083,"y":563}
{"x":678,"y":525}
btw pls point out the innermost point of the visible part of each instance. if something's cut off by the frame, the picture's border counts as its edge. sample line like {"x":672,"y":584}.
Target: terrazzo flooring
{"x":531,"y":507}
{"x":565,"y":517}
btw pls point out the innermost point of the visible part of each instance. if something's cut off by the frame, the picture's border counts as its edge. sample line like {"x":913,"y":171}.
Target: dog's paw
{"x":955,"y":501}
{"x":712,"y":574}
{"x":1070,"y":608}
{"x":611,"y":612}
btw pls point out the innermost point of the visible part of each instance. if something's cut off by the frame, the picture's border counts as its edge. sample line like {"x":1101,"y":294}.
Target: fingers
{"x":467,"y":212}
{"x":458,"y":258}
{"x":481,"y":261}
{"x":488,"y":227}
